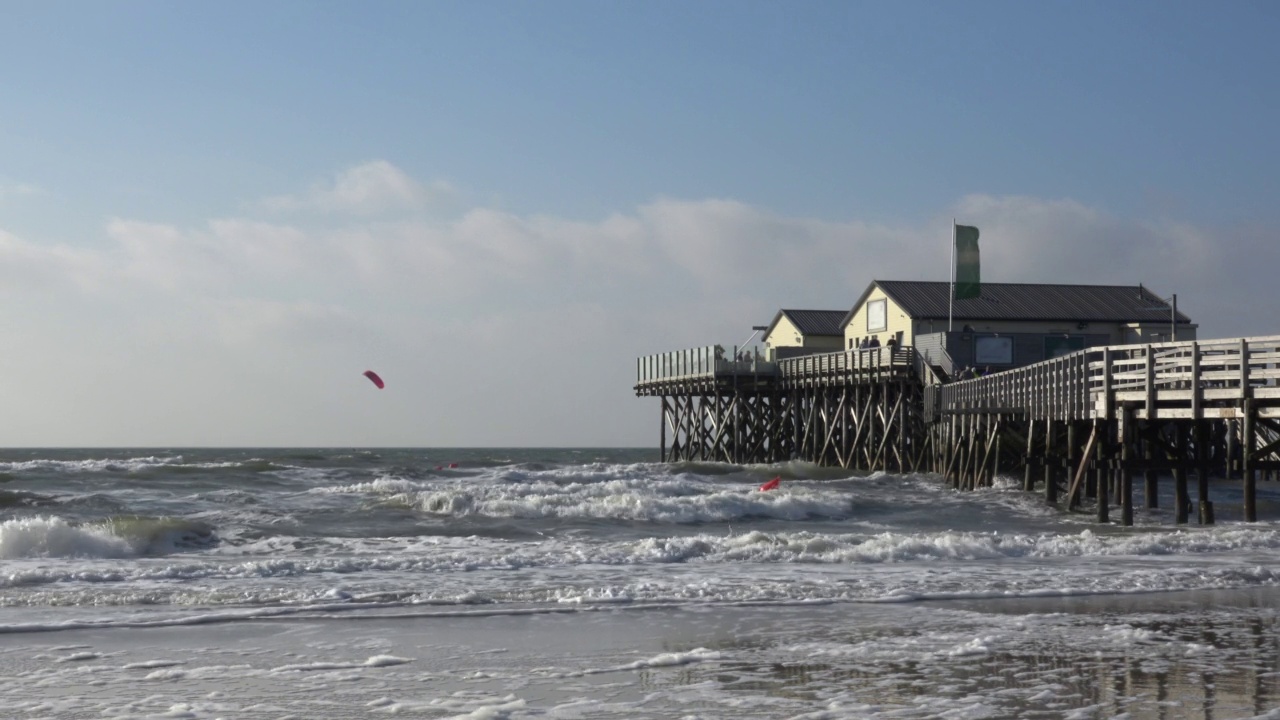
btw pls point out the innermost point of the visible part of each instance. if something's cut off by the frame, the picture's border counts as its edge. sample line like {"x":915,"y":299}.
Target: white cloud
{"x":10,"y":191}
{"x":27,"y":266}
{"x":489,"y":324}
{"x":246,"y":322}
{"x":368,"y":189}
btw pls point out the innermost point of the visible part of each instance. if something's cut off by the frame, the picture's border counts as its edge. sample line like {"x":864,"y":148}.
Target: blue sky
{"x":238,"y":205}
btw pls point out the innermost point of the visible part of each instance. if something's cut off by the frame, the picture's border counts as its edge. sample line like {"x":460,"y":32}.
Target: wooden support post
{"x":1151,"y":485}
{"x":1202,"y":470}
{"x":1181,"y":499}
{"x":975,"y":450}
{"x":845,"y":448}
{"x":1247,"y":444}
{"x":957,"y":452}
{"x":794,"y":408}
{"x":1050,"y":479}
{"x":873,"y":415}
{"x":1092,"y":474}
{"x":1073,"y":493}
{"x":951,"y":448}
{"x":1102,"y":477}
{"x":736,"y":409}
{"x":662,"y":432}
{"x":1073,"y":475}
{"x":901,"y":422}
{"x":1230,"y":437}
{"x":1248,"y":441}
{"x":1127,"y":437}
{"x":995,"y":456}
{"x":1028,"y":478}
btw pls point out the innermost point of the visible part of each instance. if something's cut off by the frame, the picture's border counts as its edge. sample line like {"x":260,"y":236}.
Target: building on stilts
{"x":1076,"y":390}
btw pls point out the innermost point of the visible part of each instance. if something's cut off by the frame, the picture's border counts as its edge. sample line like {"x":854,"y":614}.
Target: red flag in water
{"x":373,"y":376}
{"x":772,"y":484}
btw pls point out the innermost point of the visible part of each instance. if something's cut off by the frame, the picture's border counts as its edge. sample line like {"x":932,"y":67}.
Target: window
{"x":876,"y":317}
{"x":1058,"y":345}
{"x":993,"y":350}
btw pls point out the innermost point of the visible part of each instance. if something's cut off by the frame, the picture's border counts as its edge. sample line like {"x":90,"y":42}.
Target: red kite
{"x":772,"y":484}
{"x":374,"y":377}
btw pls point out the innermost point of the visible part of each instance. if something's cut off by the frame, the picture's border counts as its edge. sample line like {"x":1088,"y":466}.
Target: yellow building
{"x":802,"y":332}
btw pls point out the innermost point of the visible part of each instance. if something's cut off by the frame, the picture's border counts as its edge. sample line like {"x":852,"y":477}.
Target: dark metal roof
{"x":1026,"y":301}
{"x":812,"y":322}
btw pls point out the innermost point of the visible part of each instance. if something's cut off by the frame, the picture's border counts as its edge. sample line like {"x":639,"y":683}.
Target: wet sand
{"x":1169,"y":655}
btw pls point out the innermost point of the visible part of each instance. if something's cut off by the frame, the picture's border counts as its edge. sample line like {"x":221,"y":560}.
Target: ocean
{"x":601,"y":583}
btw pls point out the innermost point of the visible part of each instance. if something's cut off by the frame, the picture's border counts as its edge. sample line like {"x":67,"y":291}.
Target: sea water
{"x":584,"y":583}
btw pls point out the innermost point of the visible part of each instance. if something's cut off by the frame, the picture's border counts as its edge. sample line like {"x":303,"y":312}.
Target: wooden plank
{"x":1084,"y":463}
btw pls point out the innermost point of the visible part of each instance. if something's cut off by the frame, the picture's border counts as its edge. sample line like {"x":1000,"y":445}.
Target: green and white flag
{"x":968,"y":279}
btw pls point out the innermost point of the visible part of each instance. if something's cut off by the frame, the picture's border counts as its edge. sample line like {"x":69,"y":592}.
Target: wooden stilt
{"x":1050,"y":476}
{"x":1028,"y":477}
{"x":1151,"y":484}
{"x":1181,"y":499}
{"x":662,"y":429}
{"x":1201,"y":429}
{"x":1102,"y":477}
{"x":1247,"y":444}
{"x":1127,"y":441}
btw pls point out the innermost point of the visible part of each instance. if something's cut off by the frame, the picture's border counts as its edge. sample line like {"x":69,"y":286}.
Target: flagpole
{"x":951,"y":291}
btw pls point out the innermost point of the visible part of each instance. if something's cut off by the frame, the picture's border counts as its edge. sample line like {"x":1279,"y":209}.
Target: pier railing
{"x":808,"y":369}
{"x":1165,"y":380}
{"x":709,"y":362}
{"x":702,"y":363}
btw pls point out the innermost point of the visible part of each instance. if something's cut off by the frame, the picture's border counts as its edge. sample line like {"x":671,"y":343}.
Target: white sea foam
{"x":642,"y":494}
{"x":912,"y":566}
{"x":377,"y":661}
{"x":115,"y":465}
{"x":51,"y":537}
{"x":669,"y":660}
{"x":661,"y":500}
{"x":55,"y":537}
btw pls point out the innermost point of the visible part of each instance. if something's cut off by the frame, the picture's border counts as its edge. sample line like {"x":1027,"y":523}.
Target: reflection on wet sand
{"x":1204,"y":664}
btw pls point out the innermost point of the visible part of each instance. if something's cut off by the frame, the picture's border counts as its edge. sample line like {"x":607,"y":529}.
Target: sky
{"x":214,"y":216}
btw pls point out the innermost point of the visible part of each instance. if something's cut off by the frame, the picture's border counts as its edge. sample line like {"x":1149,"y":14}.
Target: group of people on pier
{"x":872,"y":341}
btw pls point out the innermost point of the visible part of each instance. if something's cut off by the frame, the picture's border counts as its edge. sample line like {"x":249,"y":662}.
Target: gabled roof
{"x":811,"y":322}
{"x":1027,"y":301}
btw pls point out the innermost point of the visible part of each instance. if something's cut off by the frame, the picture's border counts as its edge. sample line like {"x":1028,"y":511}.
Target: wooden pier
{"x":857,"y":408}
{"x":1079,"y":428}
